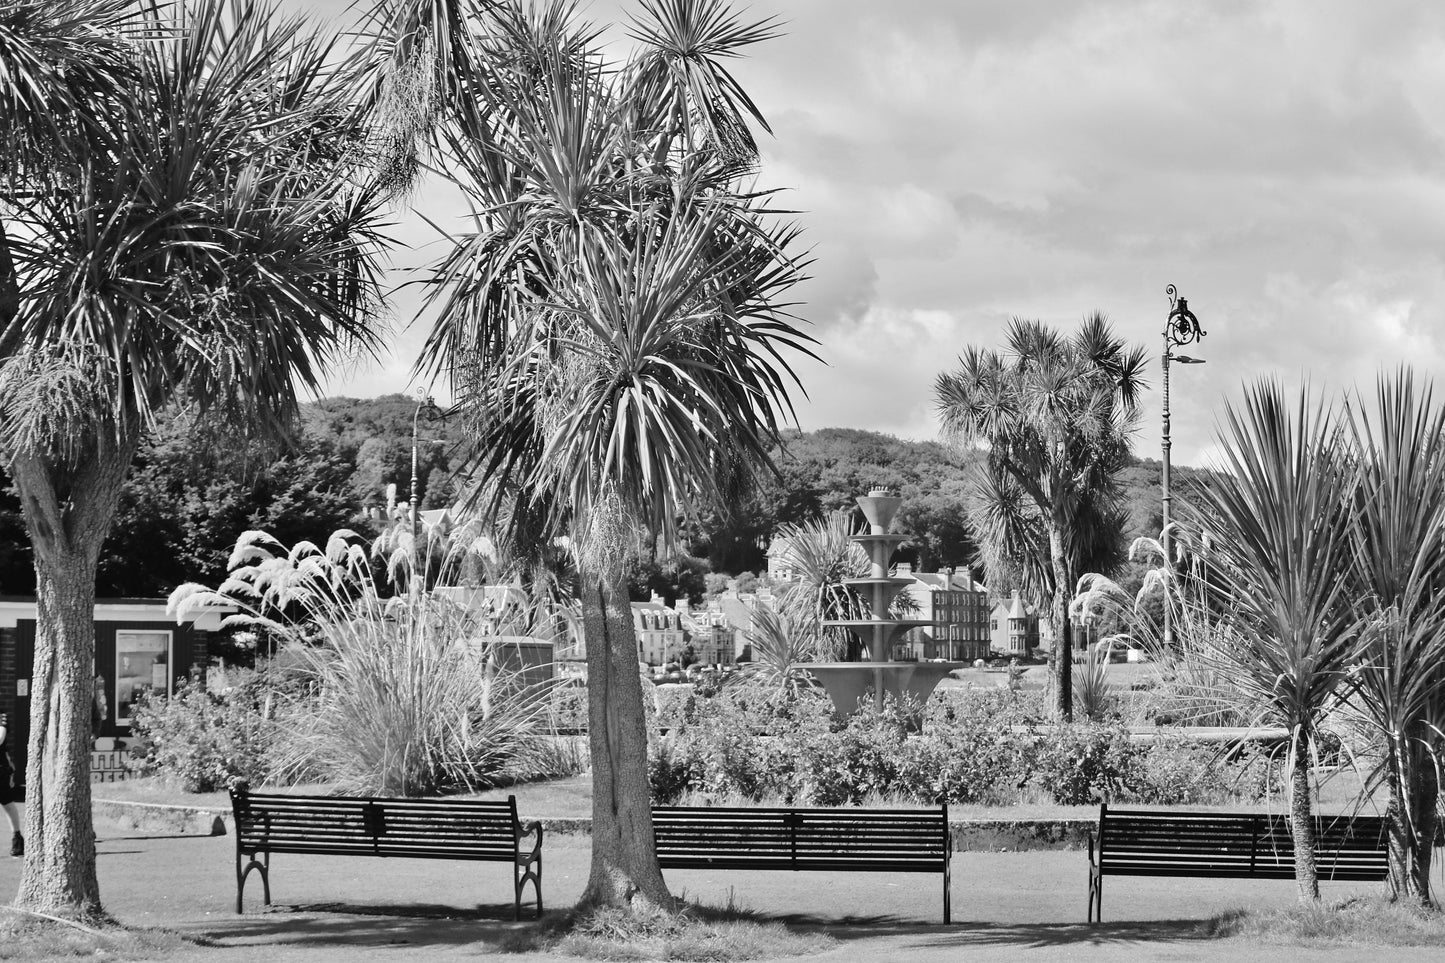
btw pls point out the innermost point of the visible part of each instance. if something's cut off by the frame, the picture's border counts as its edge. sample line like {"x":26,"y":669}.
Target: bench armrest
{"x":528,"y":829}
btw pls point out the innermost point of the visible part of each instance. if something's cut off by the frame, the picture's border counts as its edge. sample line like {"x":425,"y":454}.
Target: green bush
{"x":1077,"y":765}
{"x":204,"y":741}
{"x":975,"y":747}
{"x":1174,"y":771}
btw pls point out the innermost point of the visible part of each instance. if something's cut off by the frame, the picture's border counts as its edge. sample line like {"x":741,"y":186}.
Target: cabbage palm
{"x":1055,"y":414}
{"x":184,"y":227}
{"x":1279,"y":520}
{"x":822,"y":557}
{"x":784,"y":639}
{"x":1398,"y":587}
{"x":612,"y":321}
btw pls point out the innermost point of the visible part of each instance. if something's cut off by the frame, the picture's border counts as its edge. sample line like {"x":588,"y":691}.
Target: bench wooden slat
{"x":466,"y":830}
{"x":824,"y":840}
{"x":1228,"y":845}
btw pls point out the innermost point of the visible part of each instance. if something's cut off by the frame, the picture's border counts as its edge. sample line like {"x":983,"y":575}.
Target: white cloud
{"x":957,"y":164}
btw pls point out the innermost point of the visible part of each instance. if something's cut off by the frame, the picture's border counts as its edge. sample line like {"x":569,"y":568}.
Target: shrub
{"x":736,"y":743}
{"x":1174,"y":771}
{"x":980,"y":747}
{"x":204,"y":741}
{"x":1082,"y":764}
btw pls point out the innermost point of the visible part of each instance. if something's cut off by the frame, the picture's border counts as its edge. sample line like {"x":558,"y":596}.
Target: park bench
{"x":831,"y":840}
{"x":465,"y":829}
{"x":1132,"y":842}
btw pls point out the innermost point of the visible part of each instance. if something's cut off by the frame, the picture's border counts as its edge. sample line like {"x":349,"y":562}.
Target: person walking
{"x":9,"y":796}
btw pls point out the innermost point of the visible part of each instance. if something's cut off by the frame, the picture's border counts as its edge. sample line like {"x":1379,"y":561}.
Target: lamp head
{"x":1182,"y":326}
{"x":1184,"y":359}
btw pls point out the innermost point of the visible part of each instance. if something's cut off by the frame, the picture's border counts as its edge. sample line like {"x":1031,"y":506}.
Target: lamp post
{"x":428,"y":407}
{"x":1182,"y":328}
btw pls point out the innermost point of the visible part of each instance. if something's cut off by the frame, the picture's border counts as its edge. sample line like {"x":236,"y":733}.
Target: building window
{"x":142,"y":664}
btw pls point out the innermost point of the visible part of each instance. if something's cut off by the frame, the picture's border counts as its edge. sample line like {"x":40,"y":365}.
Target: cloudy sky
{"x":957,"y":164}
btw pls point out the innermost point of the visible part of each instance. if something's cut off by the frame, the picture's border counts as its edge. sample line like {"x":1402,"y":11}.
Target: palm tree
{"x":1279,"y":520}
{"x":1398,"y":585}
{"x":185,"y":227}
{"x":613,"y":322}
{"x":783,"y":638}
{"x":822,"y":557}
{"x":1055,"y":415}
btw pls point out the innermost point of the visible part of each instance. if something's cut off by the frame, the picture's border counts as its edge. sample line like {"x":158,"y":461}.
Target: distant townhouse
{"x":1013,"y":627}
{"x":781,"y":565}
{"x":959,"y":608}
{"x":660,"y":634}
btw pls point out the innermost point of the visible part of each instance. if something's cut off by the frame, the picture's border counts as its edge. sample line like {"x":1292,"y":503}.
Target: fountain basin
{"x":848,"y":683}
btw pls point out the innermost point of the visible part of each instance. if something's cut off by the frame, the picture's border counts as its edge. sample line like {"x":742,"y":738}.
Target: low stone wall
{"x":160,"y":820}
{"x":973,"y":835}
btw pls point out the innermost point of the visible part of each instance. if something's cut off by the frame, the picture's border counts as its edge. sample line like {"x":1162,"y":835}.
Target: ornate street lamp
{"x":1182,"y":328}
{"x":429,"y":408}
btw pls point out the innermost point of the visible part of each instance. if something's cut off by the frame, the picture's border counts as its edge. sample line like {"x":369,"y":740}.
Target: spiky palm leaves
{"x":615,"y":320}
{"x":213,"y":243}
{"x":183,"y":224}
{"x":1281,"y":549}
{"x":1055,"y":414}
{"x":822,"y":556}
{"x":1397,"y":586}
{"x":783,"y":638}
{"x":612,"y":323}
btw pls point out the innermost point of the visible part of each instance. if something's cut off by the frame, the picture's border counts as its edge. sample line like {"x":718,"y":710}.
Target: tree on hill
{"x":374,"y":435}
{"x":823,"y":471}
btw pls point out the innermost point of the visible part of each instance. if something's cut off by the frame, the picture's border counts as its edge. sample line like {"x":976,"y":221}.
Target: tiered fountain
{"x":848,"y":683}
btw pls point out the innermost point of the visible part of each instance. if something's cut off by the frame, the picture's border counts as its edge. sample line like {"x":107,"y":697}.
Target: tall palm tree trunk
{"x":1062,"y":654}
{"x":624,"y":859}
{"x":68,"y":512}
{"x":59,"y":876}
{"x":1301,"y":821}
{"x":1413,"y":815}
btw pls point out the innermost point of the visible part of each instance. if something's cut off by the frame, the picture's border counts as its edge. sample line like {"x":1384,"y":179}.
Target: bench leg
{"x":1096,"y":896}
{"x":263,"y":869}
{"x":947,"y":892}
{"x":528,"y":869}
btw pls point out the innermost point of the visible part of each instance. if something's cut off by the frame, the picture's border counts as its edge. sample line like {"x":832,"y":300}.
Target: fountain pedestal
{"x":848,"y":683}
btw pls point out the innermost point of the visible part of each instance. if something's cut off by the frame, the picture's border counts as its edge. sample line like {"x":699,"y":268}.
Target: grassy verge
{"x":697,"y":933}
{"x":26,"y":938}
{"x":1372,"y":921}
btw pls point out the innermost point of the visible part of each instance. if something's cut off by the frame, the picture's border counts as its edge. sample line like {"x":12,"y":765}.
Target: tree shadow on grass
{"x":490,"y":926}
{"x":982,"y":933}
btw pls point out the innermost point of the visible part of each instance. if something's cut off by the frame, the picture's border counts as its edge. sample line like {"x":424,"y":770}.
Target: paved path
{"x":1007,"y":906}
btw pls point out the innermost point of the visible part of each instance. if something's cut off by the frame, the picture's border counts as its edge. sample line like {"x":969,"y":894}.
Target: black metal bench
{"x":1133,"y":842}
{"x":463,"y":829}
{"x":831,"y":840}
